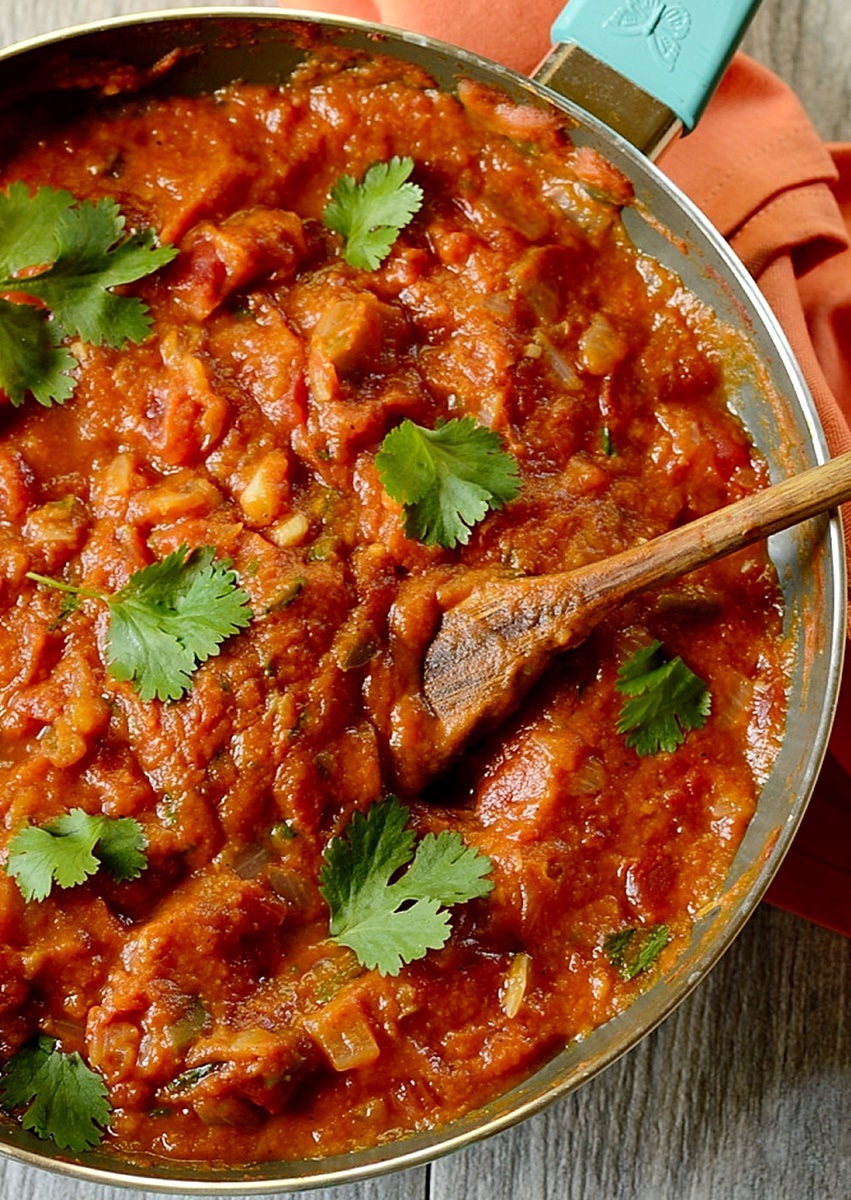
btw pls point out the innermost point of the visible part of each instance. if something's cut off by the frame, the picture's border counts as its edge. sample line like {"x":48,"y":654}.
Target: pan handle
{"x":645,"y":67}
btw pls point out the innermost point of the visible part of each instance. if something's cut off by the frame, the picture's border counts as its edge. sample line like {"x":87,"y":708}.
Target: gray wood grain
{"x":745,"y":1092}
{"x":25,"y":1183}
{"x":808,"y":43}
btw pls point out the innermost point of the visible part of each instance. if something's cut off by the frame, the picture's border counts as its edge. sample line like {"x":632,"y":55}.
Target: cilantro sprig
{"x":63,"y":1099}
{"x":632,"y":951}
{"x":168,"y":618}
{"x":665,"y":700}
{"x":389,"y":919}
{"x":446,"y":479}
{"x":66,"y":257}
{"x":72,"y":848}
{"x":369,"y":214}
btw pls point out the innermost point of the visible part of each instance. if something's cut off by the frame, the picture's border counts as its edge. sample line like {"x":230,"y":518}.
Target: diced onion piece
{"x":267,"y":489}
{"x":343,"y":1033}
{"x":589,"y":778}
{"x":250,"y":861}
{"x":69,"y":1031}
{"x":186,"y":1029}
{"x":601,"y":347}
{"x":180,"y":495}
{"x":514,"y":985}
{"x":112,"y":1045}
{"x":291,"y":531}
{"x":291,"y":887}
{"x":559,"y":363}
{"x":738,"y":703}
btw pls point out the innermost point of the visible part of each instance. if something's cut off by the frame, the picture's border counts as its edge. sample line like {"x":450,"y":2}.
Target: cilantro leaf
{"x":446,"y":478}
{"x":67,"y":1100}
{"x":388,"y":920}
{"x":30,"y":359}
{"x":168,"y":618}
{"x":369,"y":215}
{"x":666,"y":700}
{"x":82,"y":253}
{"x":633,"y":950}
{"x":359,"y":866}
{"x":93,"y":260}
{"x":121,"y":848}
{"x":29,"y":226}
{"x":73,"y":847}
{"x":445,"y":869}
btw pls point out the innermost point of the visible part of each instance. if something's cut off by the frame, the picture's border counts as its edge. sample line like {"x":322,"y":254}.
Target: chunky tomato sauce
{"x":226,"y":1025}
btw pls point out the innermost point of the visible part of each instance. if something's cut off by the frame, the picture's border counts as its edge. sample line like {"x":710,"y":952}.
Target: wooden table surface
{"x":744,"y":1093}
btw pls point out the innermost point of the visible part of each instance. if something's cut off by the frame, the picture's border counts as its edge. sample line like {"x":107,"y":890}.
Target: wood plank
{"x":808,"y":43}
{"x":27,"y":1183}
{"x":24,"y":20}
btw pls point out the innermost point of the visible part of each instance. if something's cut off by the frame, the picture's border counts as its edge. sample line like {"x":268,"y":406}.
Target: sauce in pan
{"x":206,"y":991}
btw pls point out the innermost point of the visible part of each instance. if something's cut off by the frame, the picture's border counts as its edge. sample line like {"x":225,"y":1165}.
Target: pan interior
{"x":772,"y":401}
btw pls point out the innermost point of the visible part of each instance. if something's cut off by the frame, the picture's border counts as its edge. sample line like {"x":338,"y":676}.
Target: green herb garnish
{"x":188,"y":1079}
{"x":168,"y":618}
{"x":73,"y":847}
{"x":633,"y":950}
{"x":66,"y":1100}
{"x":446,"y":479}
{"x":369,"y":215}
{"x":389,"y":919}
{"x":66,"y":256}
{"x":666,"y":700}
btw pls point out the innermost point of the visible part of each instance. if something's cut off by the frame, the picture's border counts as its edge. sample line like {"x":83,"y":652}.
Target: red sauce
{"x":206,"y":992}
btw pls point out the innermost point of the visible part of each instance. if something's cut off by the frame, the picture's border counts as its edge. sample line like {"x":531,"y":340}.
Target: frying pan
{"x":664,"y":89}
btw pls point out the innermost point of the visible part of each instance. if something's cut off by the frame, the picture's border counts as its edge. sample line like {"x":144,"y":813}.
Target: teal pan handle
{"x":674,"y":50}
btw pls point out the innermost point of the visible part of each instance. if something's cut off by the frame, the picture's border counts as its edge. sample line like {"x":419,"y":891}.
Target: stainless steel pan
{"x":773,"y":401}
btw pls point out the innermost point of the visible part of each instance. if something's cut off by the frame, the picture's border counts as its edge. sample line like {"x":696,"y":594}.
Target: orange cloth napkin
{"x":756,"y":166}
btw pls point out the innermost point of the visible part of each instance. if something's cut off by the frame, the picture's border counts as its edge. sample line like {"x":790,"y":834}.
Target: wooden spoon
{"x":492,"y":646}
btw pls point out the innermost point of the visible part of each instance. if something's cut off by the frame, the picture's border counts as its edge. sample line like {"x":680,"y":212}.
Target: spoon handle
{"x":722,"y":532}
{"x":491,"y":646}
